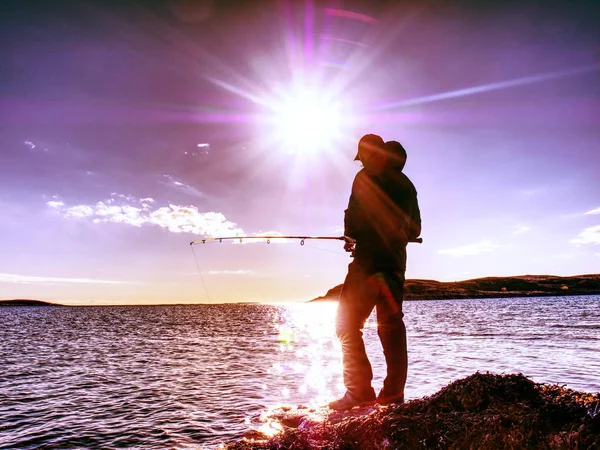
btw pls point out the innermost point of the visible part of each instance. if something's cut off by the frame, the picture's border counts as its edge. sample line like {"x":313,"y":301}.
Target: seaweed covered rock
{"x":480,"y":411}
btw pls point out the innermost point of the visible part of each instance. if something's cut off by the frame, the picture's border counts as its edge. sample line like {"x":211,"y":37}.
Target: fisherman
{"x":382,"y":217}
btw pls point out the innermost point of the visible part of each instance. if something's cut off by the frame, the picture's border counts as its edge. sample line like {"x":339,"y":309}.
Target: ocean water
{"x":201,"y":375}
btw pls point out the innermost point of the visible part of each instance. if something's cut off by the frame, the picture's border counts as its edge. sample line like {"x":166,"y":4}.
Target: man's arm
{"x":353,"y":215}
{"x":415,"y":221}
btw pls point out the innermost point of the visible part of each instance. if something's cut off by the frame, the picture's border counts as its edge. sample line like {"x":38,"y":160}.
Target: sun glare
{"x":307,"y":123}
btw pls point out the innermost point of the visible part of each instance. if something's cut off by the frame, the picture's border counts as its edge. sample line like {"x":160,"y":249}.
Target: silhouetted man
{"x":382,"y":217}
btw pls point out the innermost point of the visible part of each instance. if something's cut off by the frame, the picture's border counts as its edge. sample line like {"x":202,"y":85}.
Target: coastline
{"x":492,"y":287}
{"x":27,"y":302}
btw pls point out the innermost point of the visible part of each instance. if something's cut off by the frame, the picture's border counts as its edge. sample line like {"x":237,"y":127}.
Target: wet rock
{"x":480,"y":411}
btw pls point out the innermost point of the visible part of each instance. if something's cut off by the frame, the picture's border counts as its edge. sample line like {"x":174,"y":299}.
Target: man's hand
{"x":349,"y":244}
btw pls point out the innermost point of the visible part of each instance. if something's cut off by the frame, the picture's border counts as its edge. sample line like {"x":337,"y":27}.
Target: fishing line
{"x":200,"y":273}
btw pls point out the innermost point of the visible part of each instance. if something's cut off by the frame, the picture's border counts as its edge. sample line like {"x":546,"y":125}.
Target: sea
{"x":201,"y":376}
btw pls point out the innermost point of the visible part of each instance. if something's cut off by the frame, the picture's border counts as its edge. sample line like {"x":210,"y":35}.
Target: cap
{"x":367,"y":143}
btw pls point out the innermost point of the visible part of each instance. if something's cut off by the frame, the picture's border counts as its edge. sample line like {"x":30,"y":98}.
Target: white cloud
{"x":203,"y":145}
{"x":230,"y":272}
{"x":470,"y":249}
{"x":119,"y":214}
{"x":123,"y":196}
{"x":188,"y":219}
{"x":79,"y":211}
{"x":54,"y":204}
{"x":175,"y":218}
{"x":590,"y":235}
{"x":522,"y":229}
{"x":185,"y":187}
{"x":592,"y":211}
{"x":27,"y":279}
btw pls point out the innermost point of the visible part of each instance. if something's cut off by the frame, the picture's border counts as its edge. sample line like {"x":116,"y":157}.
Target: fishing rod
{"x":346,"y":239}
{"x":301,"y":238}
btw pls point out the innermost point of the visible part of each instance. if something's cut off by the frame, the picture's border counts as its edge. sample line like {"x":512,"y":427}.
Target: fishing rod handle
{"x":415,"y":241}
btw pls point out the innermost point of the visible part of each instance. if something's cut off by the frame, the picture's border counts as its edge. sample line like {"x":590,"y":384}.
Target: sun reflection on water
{"x":308,"y":365}
{"x":317,"y":365}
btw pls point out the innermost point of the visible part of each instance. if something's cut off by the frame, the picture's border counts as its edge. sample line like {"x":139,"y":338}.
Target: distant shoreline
{"x":427,"y":290}
{"x":27,"y":302}
{"x":491,"y":287}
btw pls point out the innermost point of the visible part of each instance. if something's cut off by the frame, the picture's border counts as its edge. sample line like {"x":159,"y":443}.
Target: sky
{"x":129,"y":129}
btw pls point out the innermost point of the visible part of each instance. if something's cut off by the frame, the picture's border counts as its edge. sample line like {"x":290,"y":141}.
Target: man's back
{"x":383,"y":215}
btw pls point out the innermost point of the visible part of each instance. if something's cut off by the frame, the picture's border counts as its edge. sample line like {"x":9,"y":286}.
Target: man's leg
{"x":357,"y":300}
{"x":392,"y":334}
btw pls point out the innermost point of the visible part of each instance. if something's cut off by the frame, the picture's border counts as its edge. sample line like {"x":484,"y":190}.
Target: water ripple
{"x":199,"y":375}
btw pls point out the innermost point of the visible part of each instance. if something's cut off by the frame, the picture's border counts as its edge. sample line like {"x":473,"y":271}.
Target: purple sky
{"x":129,"y":129}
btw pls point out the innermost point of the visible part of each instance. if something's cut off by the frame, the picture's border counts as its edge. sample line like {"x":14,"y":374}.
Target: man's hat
{"x":367,"y":143}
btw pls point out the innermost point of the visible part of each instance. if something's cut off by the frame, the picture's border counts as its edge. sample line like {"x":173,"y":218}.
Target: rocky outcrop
{"x":481,"y":411}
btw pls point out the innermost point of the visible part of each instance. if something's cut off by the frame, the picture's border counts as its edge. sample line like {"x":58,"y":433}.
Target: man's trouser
{"x":362,"y":291}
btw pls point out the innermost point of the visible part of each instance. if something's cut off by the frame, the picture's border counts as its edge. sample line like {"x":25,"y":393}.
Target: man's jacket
{"x":382,"y":216}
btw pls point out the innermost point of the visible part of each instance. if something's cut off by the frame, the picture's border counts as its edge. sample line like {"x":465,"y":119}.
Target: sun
{"x":307,"y":122}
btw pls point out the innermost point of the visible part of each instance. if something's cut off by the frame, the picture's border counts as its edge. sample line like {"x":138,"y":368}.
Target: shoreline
{"x":483,"y":410}
{"x":530,"y":286}
{"x":492,"y":287}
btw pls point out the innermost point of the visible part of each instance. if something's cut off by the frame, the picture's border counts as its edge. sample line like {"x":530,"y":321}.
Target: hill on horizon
{"x":491,"y":287}
{"x":26,"y":302}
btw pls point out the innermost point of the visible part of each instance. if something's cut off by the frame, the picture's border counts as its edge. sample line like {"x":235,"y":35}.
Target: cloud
{"x":592,"y":211}
{"x":203,"y":145}
{"x":230,"y":272}
{"x":174,"y":218}
{"x":119,"y":214}
{"x":54,"y":204}
{"x":122,"y":196}
{"x":590,"y":235}
{"x":188,"y":219}
{"x":469,"y":250}
{"x":80,"y":211}
{"x":27,"y":279}
{"x":190,"y":190}
{"x":522,"y":229}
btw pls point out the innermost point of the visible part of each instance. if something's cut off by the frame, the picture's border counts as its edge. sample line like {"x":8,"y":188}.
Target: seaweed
{"x":483,"y":410}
